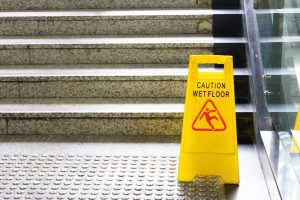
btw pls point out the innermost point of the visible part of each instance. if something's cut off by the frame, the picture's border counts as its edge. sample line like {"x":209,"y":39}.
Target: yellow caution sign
{"x":295,"y":146}
{"x":209,"y":139}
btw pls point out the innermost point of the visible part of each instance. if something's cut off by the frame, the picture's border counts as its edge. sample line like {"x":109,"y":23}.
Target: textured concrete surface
{"x":135,"y":126}
{"x":107,"y":27}
{"x":113,"y":126}
{"x":14,"y":56}
{"x":3,"y":126}
{"x":92,"y":55}
{"x":137,"y":118}
{"x":14,"y":27}
{"x":143,"y":83}
{"x":9,"y":89}
{"x":120,"y":55}
{"x":112,"y":100}
{"x":101,"y":4}
{"x":99,"y":22}
{"x":63,"y":147}
{"x":107,"y":119}
{"x":91,"y":177}
{"x":150,"y":88}
{"x":142,"y":22}
{"x":98,"y":50}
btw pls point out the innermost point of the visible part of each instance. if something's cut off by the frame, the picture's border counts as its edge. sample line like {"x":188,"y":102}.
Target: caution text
{"x":206,"y":92}
{"x":200,"y":93}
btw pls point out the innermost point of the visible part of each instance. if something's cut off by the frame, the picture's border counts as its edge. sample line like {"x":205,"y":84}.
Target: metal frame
{"x":262,"y":119}
{"x":285,"y":176}
{"x":280,"y":177}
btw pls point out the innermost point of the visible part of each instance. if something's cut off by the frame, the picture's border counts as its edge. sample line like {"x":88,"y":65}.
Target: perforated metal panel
{"x":100,"y":177}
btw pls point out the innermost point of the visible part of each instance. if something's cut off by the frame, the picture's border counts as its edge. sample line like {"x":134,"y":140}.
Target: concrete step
{"x":105,"y":119}
{"x":90,"y":100}
{"x":104,"y":83}
{"x":112,"y":50}
{"x":114,"y":4}
{"x":122,"y":22}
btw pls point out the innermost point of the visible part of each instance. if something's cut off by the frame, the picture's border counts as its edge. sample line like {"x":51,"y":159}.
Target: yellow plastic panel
{"x":209,"y":138}
{"x":295,"y":146}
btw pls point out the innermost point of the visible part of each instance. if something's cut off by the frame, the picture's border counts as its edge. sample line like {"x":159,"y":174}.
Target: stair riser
{"x":111,"y":126}
{"x":136,"y":54}
{"x":100,"y":4}
{"x":205,"y":25}
{"x":97,"y":56}
{"x":202,"y":26}
{"x":108,"y":88}
{"x":115,"y":4}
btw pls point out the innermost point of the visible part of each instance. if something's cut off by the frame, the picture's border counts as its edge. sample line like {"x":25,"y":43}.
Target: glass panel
{"x":278,"y":23}
{"x":275,"y":4}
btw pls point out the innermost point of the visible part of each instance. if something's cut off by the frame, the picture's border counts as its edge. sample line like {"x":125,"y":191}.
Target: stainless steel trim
{"x":282,"y":169}
{"x":262,"y":119}
{"x":268,"y":93}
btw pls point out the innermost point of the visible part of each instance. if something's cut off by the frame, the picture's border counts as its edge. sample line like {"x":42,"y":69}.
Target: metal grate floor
{"x":45,"y":176}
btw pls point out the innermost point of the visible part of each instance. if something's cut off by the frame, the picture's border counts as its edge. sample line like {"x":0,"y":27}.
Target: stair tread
{"x":82,"y":41}
{"x":98,"y":73}
{"x":114,"y":14}
{"x":92,"y":100}
{"x":112,"y":4}
{"x":147,"y":159}
{"x":103,"y":108}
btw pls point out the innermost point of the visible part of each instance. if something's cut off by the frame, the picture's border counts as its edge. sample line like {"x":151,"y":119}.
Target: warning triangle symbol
{"x":209,"y":118}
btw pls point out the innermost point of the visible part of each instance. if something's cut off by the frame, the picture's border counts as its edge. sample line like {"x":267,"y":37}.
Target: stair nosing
{"x":102,"y":108}
{"x":132,"y":72}
{"x":82,"y":42}
{"x":113,"y":14}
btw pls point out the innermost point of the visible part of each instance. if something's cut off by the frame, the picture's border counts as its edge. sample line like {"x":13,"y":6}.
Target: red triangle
{"x":209,"y":118}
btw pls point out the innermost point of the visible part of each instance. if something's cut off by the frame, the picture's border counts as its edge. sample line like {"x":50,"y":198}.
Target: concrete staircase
{"x":66,"y":69}
{"x":92,"y":97}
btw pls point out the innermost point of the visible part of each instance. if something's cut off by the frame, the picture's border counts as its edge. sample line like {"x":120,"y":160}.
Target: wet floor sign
{"x":295,"y":145}
{"x":209,"y":138}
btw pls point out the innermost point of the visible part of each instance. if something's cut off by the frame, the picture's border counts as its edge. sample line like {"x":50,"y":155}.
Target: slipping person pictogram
{"x":209,"y":118}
